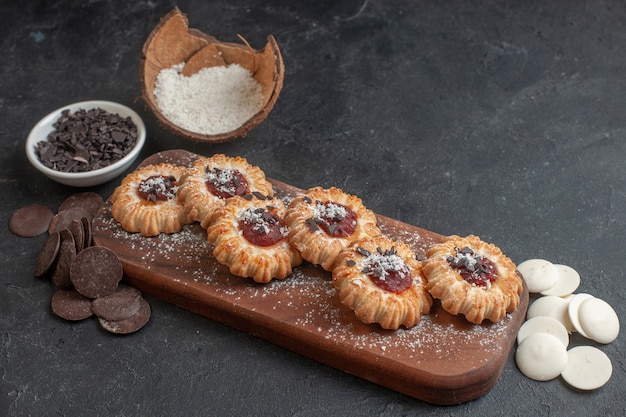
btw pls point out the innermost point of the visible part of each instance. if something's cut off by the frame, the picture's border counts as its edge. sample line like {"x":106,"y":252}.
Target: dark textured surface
{"x":499,"y":119}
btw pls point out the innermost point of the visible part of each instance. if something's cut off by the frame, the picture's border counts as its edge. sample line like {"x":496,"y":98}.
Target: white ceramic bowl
{"x":89,"y":178}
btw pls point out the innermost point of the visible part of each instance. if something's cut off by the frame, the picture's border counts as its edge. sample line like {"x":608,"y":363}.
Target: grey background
{"x":501,"y":119}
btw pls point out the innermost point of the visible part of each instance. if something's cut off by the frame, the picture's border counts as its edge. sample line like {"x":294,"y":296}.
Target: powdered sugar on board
{"x":444,"y":359}
{"x":308,"y":300}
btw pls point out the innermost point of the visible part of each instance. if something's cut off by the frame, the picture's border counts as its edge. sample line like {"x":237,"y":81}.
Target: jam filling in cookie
{"x":226,"y":183}
{"x":473,"y":267}
{"x":386,"y":269}
{"x":382,"y":282}
{"x":262,"y":226}
{"x":250,"y":238}
{"x":335,"y":219}
{"x":157,"y":188}
{"x":147,"y":201}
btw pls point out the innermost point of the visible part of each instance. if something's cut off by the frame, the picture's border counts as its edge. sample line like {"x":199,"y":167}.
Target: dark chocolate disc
{"x":65,"y":258}
{"x":47,"y":254}
{"x":88,"y":200}
{"x":70,"y":305}
{"x":129,"y":325}
{"x":63,"y":219}
{"x":31,"y":221}
{"x":88,"y":232}
{"x":78,"y":231}
{"x":122,"y":304}
{"x":96,"y":272}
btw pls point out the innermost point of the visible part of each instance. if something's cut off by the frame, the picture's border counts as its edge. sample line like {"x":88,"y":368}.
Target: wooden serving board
{"x":442,"y":360}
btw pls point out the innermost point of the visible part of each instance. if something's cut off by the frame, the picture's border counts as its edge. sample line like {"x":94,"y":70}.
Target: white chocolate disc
{"x":587,"y":368}
{"x":543,"y":324}
{"x":572,"y":311}
{"x":541,"y":357}
{"x":551,"y":306}
{"x":539,"y":274}
{"x":568,"y":282}
{"x":598,"y":320}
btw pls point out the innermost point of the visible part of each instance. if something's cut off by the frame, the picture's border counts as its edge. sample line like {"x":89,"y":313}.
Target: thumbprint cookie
{"x":323,"y":222}
{"x":209,"y":182}
{"x":147,"y":201}
{"x":250,"y":238}
{"x":472,"y":278}
{"x":382,"y":281}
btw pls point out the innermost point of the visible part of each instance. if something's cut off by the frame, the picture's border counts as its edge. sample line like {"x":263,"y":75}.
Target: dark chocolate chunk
{"x":259,"y":195}
{"x":30,"y":221}
{"x":363,"y":251}
{"x":96,"y":272}
{"x":129,"y":325}
{"x":47,"y":254}
{"x":312,"y":224}
{"x":65,"y":258}
{"x":122,"y":304}
{"x":90,"y":201}
{"x":87,"y":140}
{"x":350,"y":263}
{"x":387,"y":252}
{"x":70,"y":305}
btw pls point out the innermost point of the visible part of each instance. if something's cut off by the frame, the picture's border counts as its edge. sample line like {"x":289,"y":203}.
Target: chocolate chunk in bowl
{"x":87,"y":140}
{"x":173,"y":46}
{"x":86,"y":143}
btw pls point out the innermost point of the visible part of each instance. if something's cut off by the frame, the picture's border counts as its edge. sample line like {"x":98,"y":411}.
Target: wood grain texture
{"x":442,"y":360}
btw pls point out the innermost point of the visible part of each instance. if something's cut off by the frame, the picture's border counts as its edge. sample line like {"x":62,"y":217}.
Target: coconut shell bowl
{"x":173,"y":44}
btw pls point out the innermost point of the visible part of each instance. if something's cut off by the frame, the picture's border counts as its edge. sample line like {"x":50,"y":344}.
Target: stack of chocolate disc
{"x":87,"y":278}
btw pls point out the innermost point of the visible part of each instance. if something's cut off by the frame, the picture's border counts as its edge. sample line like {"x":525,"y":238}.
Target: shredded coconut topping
{"x":329,"y":210}
{"x":262,"y":220}
{"x":474,"y":267}
{"x":212,"y":101}
{"x":159,"y":185}
{"x":466,"y":258}
{"x":222,"y":179}
{"x":381,"y":263}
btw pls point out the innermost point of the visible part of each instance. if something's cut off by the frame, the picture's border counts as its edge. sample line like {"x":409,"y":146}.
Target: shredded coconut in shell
{"x":212,"y":101}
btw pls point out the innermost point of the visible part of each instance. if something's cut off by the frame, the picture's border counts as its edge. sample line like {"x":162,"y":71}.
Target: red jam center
{"x":335,"y":219}
{"x":157,"y":188}
{"x":226,"y":183}
{"x":262,"y":227}
{"x":474,"y":268}
{"x":394,"y":281}
{"x":387,"y":270}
